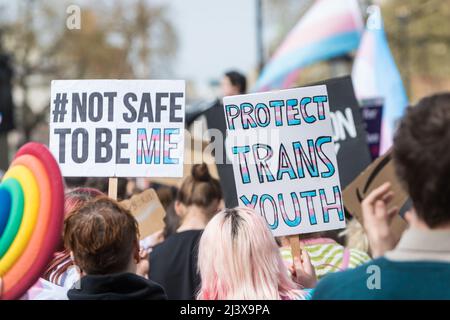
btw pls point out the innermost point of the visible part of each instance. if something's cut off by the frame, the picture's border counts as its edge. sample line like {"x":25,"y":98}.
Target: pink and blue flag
{"x":375,"y":75}
{"x":330,"y":28}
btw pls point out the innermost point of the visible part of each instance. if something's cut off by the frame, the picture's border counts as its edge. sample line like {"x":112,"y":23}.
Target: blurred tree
{"x":281,"y":16}
{"x":419,"y":36}
{"x":114,"y":41}
{"x":418,"y":33}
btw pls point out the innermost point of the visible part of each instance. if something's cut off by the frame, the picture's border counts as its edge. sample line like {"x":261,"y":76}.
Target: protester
{"x":171,"y":221}
{"x":326,"y":254}
{"x":417,"y":266}
{"x":103,"y":239}
{"x":233,"y":83}
{"x":173,"y":263}
{"x":246,"y":263}
{"x":61,"y":270}
{"x":166,"y":194}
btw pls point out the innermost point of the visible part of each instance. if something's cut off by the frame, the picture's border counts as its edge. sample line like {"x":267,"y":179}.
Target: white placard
{"x":118,"y":128}
{"x":284,"y":159}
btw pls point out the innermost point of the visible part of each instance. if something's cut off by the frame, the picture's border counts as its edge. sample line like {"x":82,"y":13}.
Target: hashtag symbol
{"x":60,"y":107}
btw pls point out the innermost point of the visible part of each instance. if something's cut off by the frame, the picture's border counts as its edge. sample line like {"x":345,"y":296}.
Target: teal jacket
{"x":383,"y":279}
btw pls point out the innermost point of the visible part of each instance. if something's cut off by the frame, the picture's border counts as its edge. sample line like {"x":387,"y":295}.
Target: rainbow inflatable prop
{"x":31,"y":217}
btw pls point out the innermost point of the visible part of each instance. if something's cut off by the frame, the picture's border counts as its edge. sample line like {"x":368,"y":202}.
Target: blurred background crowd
{"x":193,"y":40}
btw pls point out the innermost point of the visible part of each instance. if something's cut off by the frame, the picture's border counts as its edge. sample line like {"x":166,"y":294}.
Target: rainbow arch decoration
{"x":31,"y":218}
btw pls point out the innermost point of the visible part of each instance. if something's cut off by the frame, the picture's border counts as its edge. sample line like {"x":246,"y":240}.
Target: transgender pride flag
{"x":330,"y":28}
{"x":375,"y":75}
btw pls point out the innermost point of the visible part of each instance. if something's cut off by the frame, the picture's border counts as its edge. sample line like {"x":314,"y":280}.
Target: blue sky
{"x":214,"y":37}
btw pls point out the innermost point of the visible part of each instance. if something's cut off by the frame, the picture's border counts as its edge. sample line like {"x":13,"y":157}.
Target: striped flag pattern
{"x":330,"y":28}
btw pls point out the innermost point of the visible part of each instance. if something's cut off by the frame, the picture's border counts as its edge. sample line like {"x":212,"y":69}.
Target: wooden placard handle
{"x":112,"y":188}
{"x":296,"y":250}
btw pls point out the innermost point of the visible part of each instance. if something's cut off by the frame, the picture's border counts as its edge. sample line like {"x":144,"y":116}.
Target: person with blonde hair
{"x":239,"y":259}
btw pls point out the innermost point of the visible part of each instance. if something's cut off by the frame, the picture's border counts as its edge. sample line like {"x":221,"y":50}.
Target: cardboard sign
{"x":380,"y":171}
{"x":147,"y":210}
{"x":121,"y":128}
{"x":372,"y":113}
{"x":284,"y":162}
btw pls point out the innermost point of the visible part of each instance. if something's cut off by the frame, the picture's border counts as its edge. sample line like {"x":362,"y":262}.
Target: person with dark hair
{"x":171,"y":221}
{"x":103,"y":239}
{"x":233,"y":83}
{"x":166,"y":194}
{"x":418,"y":265}
{"x":173,"y":263}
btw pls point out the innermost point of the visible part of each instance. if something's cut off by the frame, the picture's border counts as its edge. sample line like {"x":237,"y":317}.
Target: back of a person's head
{"x":102,"y":236}
{"x":166,"y":195}
{"x":239,"y":259}
{"x":422,"y":157}
{"x":171,"y":221}
{"x":238,"y":80}
{"x":200,"y":189}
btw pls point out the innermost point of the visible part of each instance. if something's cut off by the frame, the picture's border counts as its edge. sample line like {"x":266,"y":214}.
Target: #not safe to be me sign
{"x":122,"y":128}
{"x":284,"y":159}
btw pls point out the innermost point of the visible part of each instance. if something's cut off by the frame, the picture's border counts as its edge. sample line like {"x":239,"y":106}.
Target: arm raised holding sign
{"x":303,"y":271}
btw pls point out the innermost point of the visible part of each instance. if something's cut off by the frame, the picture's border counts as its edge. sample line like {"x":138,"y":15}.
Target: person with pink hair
{"x":246,"y":263}
{"x":61,"y":270}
